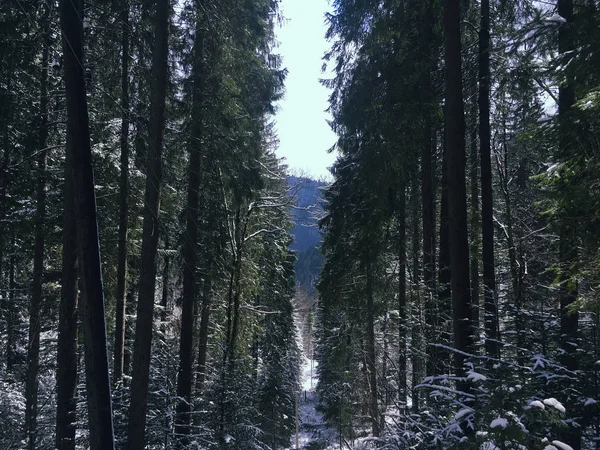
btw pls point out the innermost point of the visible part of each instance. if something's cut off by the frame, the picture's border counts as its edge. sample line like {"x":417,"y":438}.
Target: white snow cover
{"x":500,"y":422}
{"x":555,"y":403}
{"x":474,"y":376}
{"x":537,"y":404}
{"x":561,"y":445}
{"x":556,"y":18}
{"x":590,"y":401}
{"x":462,"y":413}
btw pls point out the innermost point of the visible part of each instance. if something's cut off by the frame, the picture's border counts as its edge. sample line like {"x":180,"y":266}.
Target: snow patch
{"x":561,"y":445}
{"x":555,"y":403}
{"x":500,"y":422}
{"x":462,"y":413}
{"x":537,"y":404}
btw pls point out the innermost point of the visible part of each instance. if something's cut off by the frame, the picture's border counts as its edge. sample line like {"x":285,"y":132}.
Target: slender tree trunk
{"x":457,"y":199}
{"x":427,"y":197}
{"x":11,"y":325}
{"x":491,"y":325}
{"x":145,"y":306}
{"x":371,"y":358}
{"x":164,"y":302}
{"x":120,"y":322}
{"x":402,"y":328}
{"x":94,"y":325}
{"x":190,"y":255}
{"x":444,"y":275}
{"x":203,"y":334}
{"x":66,"y":373}
{"x":416,"y":324}
{"x":569,"y":321}
{"x":33,"y":346}
{"x":475,"y":230}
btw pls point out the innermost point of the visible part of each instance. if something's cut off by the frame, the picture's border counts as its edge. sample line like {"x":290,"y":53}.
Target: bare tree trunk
{"x":457,"y":199}
{"x":120,"y":322}
{"x":491,"y":325}
{"x":569,"y":321}
{"x":474,"y":222}
{"x":33,"y":345}
{"x":190,"y":256}
{"x":203,"y":334}
{"x":145,"y":306}
{"x":371,"y":358}
{"x":66,"y":373}
{"x":402,"y":328}
{"x":94,"y":325}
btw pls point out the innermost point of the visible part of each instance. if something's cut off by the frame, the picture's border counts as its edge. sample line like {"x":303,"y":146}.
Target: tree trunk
{"x":120,"y":322}
{"x":491,"y":325}
{"x":190,"y":254}
{"x":568,"y":236}
{"x":427,"y":198}
{"x":402,"y":328}
{"x":444,"y":274}
{"x":66,"y":373}
{"x":33,"y":346}
{"x":475,"y":230}
{"x":371,"y":358}
{"x":457,"y":201}
{"x":11,"y":325}
{"x":94,"y":325}
{"x":203,"y":334}
{"x":145,"y":306}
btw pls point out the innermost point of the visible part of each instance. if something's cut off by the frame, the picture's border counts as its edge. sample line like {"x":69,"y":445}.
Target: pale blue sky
{"x":304,"y":134}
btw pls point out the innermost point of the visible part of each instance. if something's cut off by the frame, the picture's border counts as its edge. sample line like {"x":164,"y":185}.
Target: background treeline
{"x":192,"y":210}
{"x":458,"y":301}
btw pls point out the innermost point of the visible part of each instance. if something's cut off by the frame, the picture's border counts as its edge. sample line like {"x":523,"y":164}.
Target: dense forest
{"x":145,"y":279}
{"x":152,"y":294}
{"x":458,"y":302}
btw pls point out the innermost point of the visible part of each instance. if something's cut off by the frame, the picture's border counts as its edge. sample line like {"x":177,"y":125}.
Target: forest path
{"x":313,"y":432}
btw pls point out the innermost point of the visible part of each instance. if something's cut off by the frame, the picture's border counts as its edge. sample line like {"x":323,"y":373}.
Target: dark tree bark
{"x":33,"y":345}
{"x":11,"y":321}
{"x":66,"y":373}
{"x":94,"y":325}
{"x":444,"y":274}
{"x":569,"y":321}
{"x":402,"y":328}
{"x":457,"y":200}
{"x":120,"y":322}
{"x":190,"y":255}
{"x":474,"y":222}
{"x":427,"y":197}
{"x":203,"y":334}
{"x":491,"y":325}
{"x":371,"y":357}
{"x":145,"y":306}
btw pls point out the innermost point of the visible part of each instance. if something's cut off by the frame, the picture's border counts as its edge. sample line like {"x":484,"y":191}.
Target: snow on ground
{"x":313,"y":432}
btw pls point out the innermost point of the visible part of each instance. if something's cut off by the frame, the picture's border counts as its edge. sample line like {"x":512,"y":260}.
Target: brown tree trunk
{"x":457,"y":198}
{"x":94,"y":325}
{"x":145,"y":306}
{"x":33,"y":345}
{"x":120,"y":322}
{"x":66,"y":373}
{"x":491,"y":325}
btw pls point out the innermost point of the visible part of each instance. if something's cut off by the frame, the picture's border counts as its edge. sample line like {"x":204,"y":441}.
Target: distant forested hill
{"x":306,"y":234}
